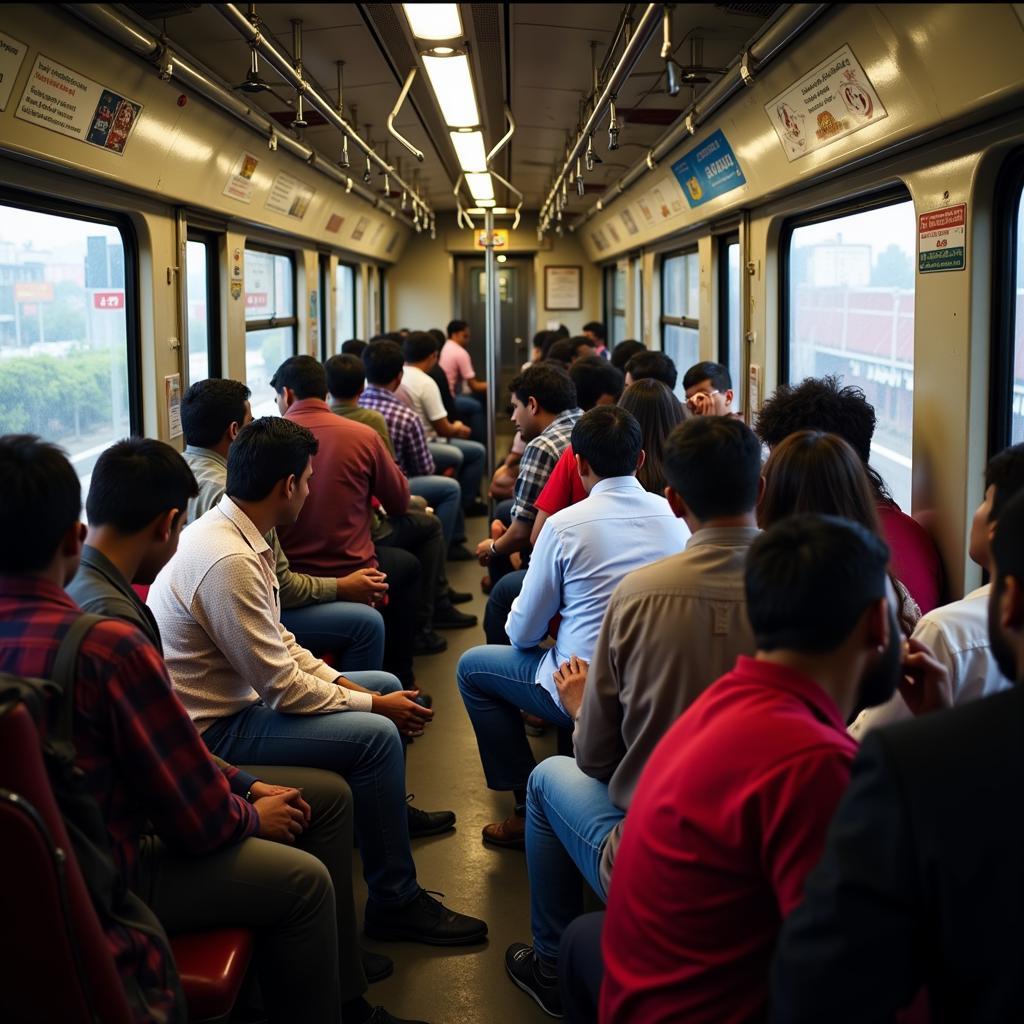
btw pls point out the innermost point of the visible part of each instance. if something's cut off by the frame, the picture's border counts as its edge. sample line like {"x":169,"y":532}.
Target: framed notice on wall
{"x":563,"y":288}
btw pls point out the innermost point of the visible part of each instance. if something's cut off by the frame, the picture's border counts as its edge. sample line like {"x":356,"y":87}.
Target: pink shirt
{"x":457,"y":365}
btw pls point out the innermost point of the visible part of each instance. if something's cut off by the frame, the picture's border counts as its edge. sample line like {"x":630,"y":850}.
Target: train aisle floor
{"x":461,"y":986}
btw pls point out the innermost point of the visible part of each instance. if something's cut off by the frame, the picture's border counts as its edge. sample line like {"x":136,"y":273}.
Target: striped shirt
{"x":538,"y":461}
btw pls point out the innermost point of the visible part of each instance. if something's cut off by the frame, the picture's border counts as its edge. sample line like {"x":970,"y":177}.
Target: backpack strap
{"x":64,"y":676}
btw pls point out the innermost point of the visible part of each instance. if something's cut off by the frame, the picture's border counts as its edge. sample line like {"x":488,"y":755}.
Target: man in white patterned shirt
{"x":256,"y":696}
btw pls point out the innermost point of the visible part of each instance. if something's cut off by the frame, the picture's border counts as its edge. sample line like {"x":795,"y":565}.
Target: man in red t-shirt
{"x":732,"y":809}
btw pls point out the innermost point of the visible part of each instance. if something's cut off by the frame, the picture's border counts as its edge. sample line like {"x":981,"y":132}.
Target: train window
{"x":680,"y":310}
{"x":270,"y":322}
{"x":344,"y":305}
{"x":730,"y":351}
{"x":615,"y":303}
{"x":1017,"y":293}
{"x":849,"y":301}
{"x":637,"y":269}
{"x":66,"y":318}
{"x":202,"y":293}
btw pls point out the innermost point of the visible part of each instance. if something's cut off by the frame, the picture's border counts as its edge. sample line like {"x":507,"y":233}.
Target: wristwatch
{"x":492,"y":551}
{"x":248,"y":796}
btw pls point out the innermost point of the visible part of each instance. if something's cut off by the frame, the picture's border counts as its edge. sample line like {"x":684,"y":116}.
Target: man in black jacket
{"x":922,"y":880}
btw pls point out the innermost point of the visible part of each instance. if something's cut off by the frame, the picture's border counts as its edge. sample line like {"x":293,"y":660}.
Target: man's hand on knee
{"x":283,"y":813}
{"x":402,"y":709}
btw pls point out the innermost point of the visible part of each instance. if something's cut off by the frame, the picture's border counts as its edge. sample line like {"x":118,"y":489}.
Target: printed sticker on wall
{"x":377,"y":234}
{"x":827,"y":104}
{"x":360,"y":229}
{"x":708,"y":170}
{"x":629,"y":221}
{"x":58,"y":98}
{"x":644,"y":206}
{"x":334,"y":223}
{"x":12,"y":56}
{"x":613,"y":231}
{"x":289,"y":196}
{"x":942,"y":239}
{"x":598,"y":239}
{"x":392,"y":242}
{"x":240,"y":185}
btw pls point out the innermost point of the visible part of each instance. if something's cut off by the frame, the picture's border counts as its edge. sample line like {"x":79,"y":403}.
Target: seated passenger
{"x":655,"y":365}
{"x":256,"y":696}
{"x":467,"y":388}
{"x":732,"y":809}
{"x":581,"y":348}
{"x":138,"y":494}
{"x":149,"y":772}
{"x":596,"y":333}
{"x":326,"y":614}
{"x":581,"y":554}
{"x":440,"y":378}
{"x":670,"y":630}
{"x":353,"y":347}
{"x":821,"y":404}
{"x":346,"y":381}
{"x":708,"y":388}
{"x":920,"y":882}
{"x":624,"y":351}
{"x":812,"y":472}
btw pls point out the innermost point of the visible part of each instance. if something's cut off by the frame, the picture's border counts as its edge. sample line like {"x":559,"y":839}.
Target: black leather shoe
{"x":381,"y":1016}
{"x":447,"y":616}
{"x":376,"y":966}
{"x":428,"y":823}
{"x":475,"y":508}
{"x":460,"y":553}
{"x":522,"y":967}
{"x":459,"y":596}
{"x":424,"y":920}
{"x":427,"y":641}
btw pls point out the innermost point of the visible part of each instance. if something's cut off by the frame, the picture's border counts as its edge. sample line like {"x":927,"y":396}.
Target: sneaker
{"x":510,"y":833}
{"x":447,"y":616}
{"x":460,"y":553}
{"x":424,"y":920}
{"x":427,"y":641}
{"x":428,"y":823}
{"x":376,"y":967}
{"x":522,"y":967}
{"x":476,"y":507}
{"x":381,"y":1016}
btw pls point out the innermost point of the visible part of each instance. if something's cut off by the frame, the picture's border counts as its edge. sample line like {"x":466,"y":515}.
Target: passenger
{"x":624,"y":351}
{"x":148,"y":771}
{"x":669,"y":631}
{"x":920,"y":882}
{"x":732,"y":809}
{"x":581,"y":348}
{"x":138,"y":494}
{"x":537,"y":349}
{"x":440,"y":378}
{"x":353,"y":347}
{"x":326,"y":614}
{"x":545,"y":411}
{"x":457,"y":364}
{"x":257,"y":696}
{"x":957,"y":633}
{"x":812,"y":472}
{"x":346,"y":381}
{"x":560,"y":351}
{"x":708,"y":388}
{"x":656,"y":365}
{"x":821,"y":404}
{"x":598,"y":336}
{"x":581,"y":554}
{"x":448,"y":442}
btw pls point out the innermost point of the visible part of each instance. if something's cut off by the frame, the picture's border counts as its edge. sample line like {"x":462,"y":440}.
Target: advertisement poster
{"x":708,"y":170}
{"x":942,"y":239}
{"x":613,"y":232}
{"x":360,"y":229}
{"x":12,"y":55}
{"x":172,"y":392}
{"x":66,"y":102}
{"x":598,"y":239}
{"x":239,"y":185}
{"x":334,"y":223}
{"x":827,"y":104}
{"x":392,"y":243}
{"x":289,"y":196}
{"x":644,"y":206}
{"x":629,"y":221}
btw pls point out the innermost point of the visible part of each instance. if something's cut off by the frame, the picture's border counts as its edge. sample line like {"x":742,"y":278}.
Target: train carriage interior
{"x":223,"y":224}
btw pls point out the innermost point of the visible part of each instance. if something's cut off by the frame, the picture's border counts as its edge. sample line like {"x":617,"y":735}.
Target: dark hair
{"x":353,"y":347}
{"x":1008,"y":542}
{"x":541,"y":340}
{"x":580,"y":342}
{"x":550,"y":386}
{"x":658,"y":412}
{"x":1005,"y":472}
{"x":596,"y":328}
{"x":383,"y":361}
{"x":624,"y":351}
{"x":812,"y":472}
{"x":819,"y":403}
{"x":346,"y":376}
{"x":559,"y":351}
{"x":609,"y":438}
{"x":808,"y":580}
{"x":454,"y":326}
{"x":419,"y":346}
{"x":438,"y":335}
{"x":716,"y":373}
{"x":656,"y":365}
{"x":561,"y":331}
{"x":42,"y":500}
{"x":304,"y":375}
{"x":594,"y":377}
{"x":714,"y":464}
{"x":209,"y":407}
{"x":266,"y":452}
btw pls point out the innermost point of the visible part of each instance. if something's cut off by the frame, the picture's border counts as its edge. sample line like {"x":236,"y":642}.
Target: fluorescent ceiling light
{"x":453,"y":86}
{"x":486,"y":202}
{"x":434,"y":21}
{"x":469,"y":148}
{"x":481,"y":186}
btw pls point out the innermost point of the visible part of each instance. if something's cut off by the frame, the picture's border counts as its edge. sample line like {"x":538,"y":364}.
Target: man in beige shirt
{"x":670,"y":630}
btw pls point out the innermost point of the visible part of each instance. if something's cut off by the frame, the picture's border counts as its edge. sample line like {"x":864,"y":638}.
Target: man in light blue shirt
{"x":581,"y":554}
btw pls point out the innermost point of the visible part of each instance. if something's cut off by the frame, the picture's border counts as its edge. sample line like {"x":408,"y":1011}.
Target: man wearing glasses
{"x":708,"y":389}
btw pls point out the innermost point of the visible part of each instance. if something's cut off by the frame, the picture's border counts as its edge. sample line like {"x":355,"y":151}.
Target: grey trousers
{"x":296,"y":899}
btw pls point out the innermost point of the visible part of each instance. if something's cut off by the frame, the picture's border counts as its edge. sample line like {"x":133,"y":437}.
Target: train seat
{"x":212,"y":967}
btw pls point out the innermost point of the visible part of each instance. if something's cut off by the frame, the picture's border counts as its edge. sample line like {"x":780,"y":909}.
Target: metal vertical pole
{"x":493,"y":335}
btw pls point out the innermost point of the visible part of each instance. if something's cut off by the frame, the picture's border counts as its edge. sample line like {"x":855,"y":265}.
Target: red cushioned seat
{"x":212,"y":967}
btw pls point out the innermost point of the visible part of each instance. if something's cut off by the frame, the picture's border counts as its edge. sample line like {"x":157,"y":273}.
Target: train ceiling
{"x":538,"y":58}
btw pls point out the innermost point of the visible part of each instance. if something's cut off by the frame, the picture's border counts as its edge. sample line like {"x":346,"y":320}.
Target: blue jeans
{"x":568,"y":819}
{"x":467,"y":458}
{"x":471,"y":412}
{"x":499,"y":604}
{"x":354,"y":633}
{"x":365,"y":748}
{"x":495,"y":682}
{"x":443,"y":495}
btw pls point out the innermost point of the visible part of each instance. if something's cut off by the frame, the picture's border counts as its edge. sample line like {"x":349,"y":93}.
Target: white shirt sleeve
{"x":433,"y":407}
{"x":540,"y":599}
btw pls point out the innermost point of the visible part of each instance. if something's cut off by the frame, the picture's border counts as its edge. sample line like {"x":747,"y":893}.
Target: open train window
{"x":270,"y":321}
{"x":344,"y":304}
{"x":68,"y":327}
{"x":680,"y":310}
{"x":848,"y":310}
{"x":730,"y":351}
{"x":203,"y":300}
{"x":615,"y":303}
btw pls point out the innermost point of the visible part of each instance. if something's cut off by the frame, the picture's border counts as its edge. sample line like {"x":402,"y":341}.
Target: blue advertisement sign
{"x":709,"y":170}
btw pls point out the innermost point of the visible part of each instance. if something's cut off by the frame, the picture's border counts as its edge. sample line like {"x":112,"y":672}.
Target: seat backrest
{"x":55,"y":963}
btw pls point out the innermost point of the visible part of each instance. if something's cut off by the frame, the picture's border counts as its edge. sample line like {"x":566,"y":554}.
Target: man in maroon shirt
{"x":732,"y":809}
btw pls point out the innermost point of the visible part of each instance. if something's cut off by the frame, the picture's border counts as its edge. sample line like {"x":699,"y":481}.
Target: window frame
{"x":274,"y":322}
{"x":325,"y":326}
{"x":354,"y":268}
{"x":693,"y":323}
{"x":35,"y":203}
{"x":723,"y":242}
{"x":214,"y":350}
